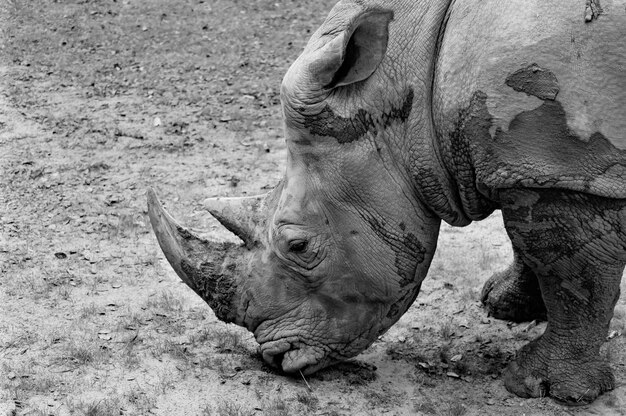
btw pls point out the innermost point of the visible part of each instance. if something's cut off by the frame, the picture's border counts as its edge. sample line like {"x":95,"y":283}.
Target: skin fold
{"x":401,"y":114}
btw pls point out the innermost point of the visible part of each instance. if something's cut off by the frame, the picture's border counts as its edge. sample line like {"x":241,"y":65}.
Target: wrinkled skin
{"x":400,"y":115}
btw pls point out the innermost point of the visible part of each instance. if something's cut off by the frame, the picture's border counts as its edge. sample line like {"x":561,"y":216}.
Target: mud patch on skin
{"x":349,"y":129}
{"x":412,"y":245}
{"x":407,"y":248}
{"x":538,"y":150}
{"x":534,"y":80}
{"x":398,"y":308}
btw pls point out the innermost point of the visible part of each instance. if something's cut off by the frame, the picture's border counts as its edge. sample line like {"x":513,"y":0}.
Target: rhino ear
{"x":355,"y":53}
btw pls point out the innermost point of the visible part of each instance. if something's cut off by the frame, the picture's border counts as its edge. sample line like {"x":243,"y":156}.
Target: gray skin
{"x":400,"y":114}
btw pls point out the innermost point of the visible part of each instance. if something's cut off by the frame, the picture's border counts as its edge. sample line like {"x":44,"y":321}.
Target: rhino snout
{"x":292,"y":357}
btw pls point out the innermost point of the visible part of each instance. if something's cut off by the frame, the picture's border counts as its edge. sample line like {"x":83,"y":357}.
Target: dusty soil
{"x":100,"y":100}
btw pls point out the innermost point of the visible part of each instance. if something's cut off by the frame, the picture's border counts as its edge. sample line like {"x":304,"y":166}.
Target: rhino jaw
{"x":209,"y":268}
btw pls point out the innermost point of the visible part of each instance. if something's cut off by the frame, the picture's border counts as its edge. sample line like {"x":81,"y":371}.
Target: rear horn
{"x":241,"y":216}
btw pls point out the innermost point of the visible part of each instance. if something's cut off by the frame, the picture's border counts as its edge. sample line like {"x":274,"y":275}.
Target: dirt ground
{"x":100,"y":100}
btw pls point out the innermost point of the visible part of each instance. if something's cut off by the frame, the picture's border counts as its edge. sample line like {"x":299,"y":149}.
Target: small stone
{"x":11,"y":375}
{"x":103,"y":334}
{"x":613,"y":334}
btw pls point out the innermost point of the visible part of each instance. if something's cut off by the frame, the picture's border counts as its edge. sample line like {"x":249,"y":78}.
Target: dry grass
{"x":447,"y":330}
{"x":88,"y":311}
{"x":80,"y":352}
{"x":455,"y":409}
{"x":277,"y":407}
{"x":170,"y":347}
{"x":425,"y":406}
{"x":225,"y":408}
{"x":308,"y":400}
{"x":101,"y":407}
{"x":165,"y":302}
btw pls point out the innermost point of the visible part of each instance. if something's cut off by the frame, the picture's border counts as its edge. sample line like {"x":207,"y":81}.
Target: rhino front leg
{"x":514,"y":294}
{"x":576,"y":245}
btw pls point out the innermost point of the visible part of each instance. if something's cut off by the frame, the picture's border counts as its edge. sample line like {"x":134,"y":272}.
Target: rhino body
{"x":400,"y":114}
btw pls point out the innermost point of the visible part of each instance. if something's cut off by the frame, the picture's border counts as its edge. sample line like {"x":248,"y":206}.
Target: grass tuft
{"x":225,"y":340}
{"x":425,"y":407}
{"x":447,"y":330}
{"x":308,"y":400}
{"x":103,"y":407}
{"x":455,"y":409}
{"x":166,"y":302}
{"x":78,"y":353}
{"x":172,"y":348}
{"x":278,"y":407}
{"x":225,"y":408}
{"x":88,"y":311}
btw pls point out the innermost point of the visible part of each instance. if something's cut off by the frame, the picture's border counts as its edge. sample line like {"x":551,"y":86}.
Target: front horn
{"x":209,"y":268}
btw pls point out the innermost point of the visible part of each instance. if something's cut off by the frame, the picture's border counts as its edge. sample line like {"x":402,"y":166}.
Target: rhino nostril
{"x":277,"y":360}
{"x":274,"y":353}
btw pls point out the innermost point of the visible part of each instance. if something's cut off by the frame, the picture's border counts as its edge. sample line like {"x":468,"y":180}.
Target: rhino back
{"x":533,"y":94}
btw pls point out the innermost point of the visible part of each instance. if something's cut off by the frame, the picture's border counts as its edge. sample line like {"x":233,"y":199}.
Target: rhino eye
{"x":298,"y":246}
{"x":303,"y":251}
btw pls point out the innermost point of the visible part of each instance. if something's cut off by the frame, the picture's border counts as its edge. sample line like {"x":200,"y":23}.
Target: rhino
{"x":400,"y":114}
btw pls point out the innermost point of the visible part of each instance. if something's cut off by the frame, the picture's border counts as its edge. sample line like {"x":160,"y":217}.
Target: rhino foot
{"x":573,"y":383}
{"x":514,"y":294}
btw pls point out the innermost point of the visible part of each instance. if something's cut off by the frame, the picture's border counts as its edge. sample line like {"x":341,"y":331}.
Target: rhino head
{"x":336,"y":253}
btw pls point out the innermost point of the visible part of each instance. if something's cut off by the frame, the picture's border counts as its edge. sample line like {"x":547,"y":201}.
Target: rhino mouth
{"x":294,"y":357}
